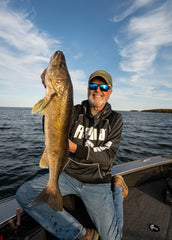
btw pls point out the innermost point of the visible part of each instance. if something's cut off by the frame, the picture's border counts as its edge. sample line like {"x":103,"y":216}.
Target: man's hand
{"x":44,"y":73}
{"x":43,"y":77}
{"x":72,"y":146}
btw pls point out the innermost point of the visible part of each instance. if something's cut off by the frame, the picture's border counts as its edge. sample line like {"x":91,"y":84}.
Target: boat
{"x":147,"y":208}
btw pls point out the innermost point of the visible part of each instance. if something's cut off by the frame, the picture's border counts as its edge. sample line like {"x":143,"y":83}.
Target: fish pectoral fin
{"x":40,"y":106}
{"x":44,"y":160}
{"x":52,"y":197}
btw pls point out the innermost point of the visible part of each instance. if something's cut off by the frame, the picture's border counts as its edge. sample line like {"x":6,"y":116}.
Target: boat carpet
{"x":143,"y":207}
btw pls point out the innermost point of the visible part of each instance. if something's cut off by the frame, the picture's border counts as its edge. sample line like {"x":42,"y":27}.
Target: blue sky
{"x":132,"y":40}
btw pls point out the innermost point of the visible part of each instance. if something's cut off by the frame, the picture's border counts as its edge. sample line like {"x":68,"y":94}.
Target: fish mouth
{"x":58,"y":54}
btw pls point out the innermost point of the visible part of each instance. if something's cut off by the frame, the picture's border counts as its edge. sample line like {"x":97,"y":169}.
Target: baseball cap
{"x":103,"y":74}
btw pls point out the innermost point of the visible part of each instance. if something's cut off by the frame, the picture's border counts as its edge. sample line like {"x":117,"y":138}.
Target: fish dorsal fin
{"x":44,"y":160}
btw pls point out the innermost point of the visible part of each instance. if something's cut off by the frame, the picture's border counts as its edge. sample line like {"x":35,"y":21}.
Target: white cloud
{"x":134,"y":94}
{"x":78,"y":75}
{"x":145,"y":44}
{"x":79,"y":81}
{"x":19,"y":32}
{"x":144,"y":36}
{"x":21,"y":41}
{"x":140,"y":47}
{"x":134,"y":5}
{"x":24,"y":49}
{"x":78,"y":55}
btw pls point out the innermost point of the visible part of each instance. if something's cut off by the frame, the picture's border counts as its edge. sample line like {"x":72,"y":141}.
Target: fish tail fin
{"x":40,"y":107}
{"x":52,"y":197}
{"x":44,"y":160}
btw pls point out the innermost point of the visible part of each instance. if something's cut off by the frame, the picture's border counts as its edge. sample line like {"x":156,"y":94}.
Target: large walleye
{"x":57,"y":107}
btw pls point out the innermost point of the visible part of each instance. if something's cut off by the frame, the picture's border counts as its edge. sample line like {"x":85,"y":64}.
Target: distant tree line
{"x":158,"y":110}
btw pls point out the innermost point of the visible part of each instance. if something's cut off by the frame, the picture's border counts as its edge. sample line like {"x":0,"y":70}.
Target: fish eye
{"x":62,"y":65}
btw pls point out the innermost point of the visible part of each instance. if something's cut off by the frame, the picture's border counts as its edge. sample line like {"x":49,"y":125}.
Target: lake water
{"x":22,"y":143}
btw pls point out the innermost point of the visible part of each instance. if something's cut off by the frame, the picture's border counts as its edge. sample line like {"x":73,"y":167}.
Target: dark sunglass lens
{"x":93,"y":86}
{"x":104,"y":87}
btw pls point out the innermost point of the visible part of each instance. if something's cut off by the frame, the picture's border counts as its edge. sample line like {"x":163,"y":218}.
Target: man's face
{"x":98,"y":98}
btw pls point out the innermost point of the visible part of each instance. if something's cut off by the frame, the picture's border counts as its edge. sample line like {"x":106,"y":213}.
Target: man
{"x":93,"y":144}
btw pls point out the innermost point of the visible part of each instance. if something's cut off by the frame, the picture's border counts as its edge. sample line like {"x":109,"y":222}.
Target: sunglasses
{"x":103,"y":87}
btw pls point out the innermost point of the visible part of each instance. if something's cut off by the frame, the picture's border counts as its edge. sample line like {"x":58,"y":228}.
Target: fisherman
{"x":93,"y":144}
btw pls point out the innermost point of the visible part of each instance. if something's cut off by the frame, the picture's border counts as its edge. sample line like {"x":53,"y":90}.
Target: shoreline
{"x":159,"y":110}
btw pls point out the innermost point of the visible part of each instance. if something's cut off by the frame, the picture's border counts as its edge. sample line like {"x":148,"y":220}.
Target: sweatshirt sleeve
{"x":106,"y":153}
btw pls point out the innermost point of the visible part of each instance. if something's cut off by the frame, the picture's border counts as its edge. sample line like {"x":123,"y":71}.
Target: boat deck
{"x":147,"y":202}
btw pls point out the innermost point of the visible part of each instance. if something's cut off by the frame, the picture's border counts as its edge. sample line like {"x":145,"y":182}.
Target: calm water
{"x":22,"y":143}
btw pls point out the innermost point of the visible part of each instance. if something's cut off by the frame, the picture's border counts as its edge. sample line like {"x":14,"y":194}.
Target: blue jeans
{"x":104,"y":206}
